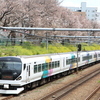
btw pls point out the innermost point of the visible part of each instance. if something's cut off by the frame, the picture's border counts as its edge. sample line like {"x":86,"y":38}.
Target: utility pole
{"x":78,"y":49}
{"x":77,"y":62}
{"x":47,"y":41}
{"x":89,"y":38}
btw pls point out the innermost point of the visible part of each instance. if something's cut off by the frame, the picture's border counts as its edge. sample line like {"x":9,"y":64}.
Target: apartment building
{"x":91,"y":12}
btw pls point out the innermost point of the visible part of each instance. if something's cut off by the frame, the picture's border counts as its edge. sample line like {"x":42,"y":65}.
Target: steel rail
{"x":8,"y":97}
{"x":93,"y":93}
{"x":58,"y":94}
{"x":99,"y":98}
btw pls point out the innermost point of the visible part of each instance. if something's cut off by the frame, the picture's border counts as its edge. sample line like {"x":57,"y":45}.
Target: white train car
{"x":20,"y":72}
{"x":98,"y":55}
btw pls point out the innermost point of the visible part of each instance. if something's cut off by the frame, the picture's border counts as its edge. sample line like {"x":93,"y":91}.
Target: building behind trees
{"x":91,"y":12}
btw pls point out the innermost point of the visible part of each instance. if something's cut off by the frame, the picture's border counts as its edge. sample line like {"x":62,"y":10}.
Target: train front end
{"x":10,"y":75}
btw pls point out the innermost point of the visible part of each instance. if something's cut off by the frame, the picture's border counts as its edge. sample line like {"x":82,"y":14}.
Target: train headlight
{"x":6,"y":86}
{"x":19,"y":78}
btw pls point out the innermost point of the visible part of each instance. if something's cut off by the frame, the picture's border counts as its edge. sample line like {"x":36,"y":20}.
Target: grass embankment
{"x":30,"y":49}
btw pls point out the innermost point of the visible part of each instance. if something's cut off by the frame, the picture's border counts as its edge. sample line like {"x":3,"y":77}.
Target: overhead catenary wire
{"x":16,"y":29}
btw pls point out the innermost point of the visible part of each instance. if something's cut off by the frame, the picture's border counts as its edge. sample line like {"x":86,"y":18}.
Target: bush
{"x":30,"y":49}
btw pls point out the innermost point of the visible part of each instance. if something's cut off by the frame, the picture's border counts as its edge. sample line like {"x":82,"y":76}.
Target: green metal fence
{"x":7,"y":41}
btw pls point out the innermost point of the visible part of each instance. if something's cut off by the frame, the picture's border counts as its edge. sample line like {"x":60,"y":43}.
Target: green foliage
{"x":86,"y":47}
{"x":99,"y":81}
{"x":43,"y":45}
{"x":30,"y":49}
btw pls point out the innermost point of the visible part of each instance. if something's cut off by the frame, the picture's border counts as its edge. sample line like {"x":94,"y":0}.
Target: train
{"x":20,"y":72}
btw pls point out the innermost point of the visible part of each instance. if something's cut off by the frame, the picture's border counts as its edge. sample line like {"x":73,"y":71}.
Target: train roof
{"x":42,"y":55}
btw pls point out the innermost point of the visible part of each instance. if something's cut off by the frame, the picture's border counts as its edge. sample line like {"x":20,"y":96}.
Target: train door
{"x":64,"y":60}
{"x":24,"y":72}
{"x":28,"y":72}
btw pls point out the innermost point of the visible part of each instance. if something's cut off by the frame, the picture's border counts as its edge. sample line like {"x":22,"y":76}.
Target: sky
{"x":77,"y":3}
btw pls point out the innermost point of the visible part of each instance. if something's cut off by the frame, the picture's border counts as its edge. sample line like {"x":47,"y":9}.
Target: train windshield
{"x":10,"y":65}
{"x":10,"y":68}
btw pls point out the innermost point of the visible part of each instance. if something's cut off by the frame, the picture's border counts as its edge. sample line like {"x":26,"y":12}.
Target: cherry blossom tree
{"x":41,"y":13}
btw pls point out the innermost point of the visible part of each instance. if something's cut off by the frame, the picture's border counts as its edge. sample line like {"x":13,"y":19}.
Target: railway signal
{"x":79,"y":47}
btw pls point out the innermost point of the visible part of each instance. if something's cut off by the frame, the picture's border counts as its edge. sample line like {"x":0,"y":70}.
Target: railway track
{"x":99,"y":98}
{"x":6,"y":97}
{"x":60,"y":93}
{"x":95,"y":95}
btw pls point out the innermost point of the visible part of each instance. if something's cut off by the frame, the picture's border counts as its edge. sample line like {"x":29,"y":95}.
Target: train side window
{"x":69,"y":61}
{"x":29,"y":71}
{"x":35,"y":68}
{"x":95,"y":56}
{"x":90,"y":57}
{"x":73,"y":60}
{"x":85,"y":58}
{"x":58,"y":63}
{"x":53,"y":64}
{"x":50,"y":65}
{"x":66,"y":62}
{"x":43,"y":67}
{"x":24,"y":66}
{"x":47,"y":66}
{"x":39,"y":68}
{"x":82,"y":59}
{"x":78,"y":59}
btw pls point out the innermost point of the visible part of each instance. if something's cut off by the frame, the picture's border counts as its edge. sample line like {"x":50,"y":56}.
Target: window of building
{"x":80,"y":14}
